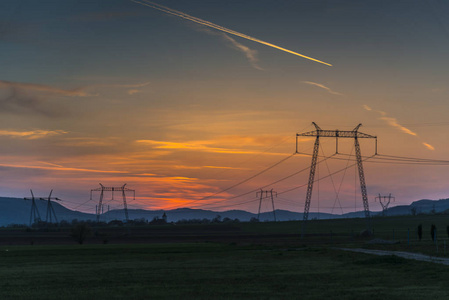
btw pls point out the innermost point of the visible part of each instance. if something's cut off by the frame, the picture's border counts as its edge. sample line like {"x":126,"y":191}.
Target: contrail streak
{"x":221,"y":28}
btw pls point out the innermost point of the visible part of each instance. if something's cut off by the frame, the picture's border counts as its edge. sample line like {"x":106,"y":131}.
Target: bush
{"x":80,"y":232}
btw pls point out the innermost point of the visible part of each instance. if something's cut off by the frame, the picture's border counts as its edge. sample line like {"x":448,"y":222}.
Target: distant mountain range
{"x":17,"y":211}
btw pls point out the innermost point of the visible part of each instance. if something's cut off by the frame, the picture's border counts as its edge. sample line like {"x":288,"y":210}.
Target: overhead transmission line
{"x":266,"y":185}
{"x":249,"y":178}
{"x":291,"y":189}
{"x":383,"y":158}
{"x":240,"y":182}
{"x":324,"y":177}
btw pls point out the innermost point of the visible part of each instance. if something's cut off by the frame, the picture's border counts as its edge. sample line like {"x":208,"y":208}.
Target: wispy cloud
{"x":80,"y":92}
{"x":31,"y":98}
{"x":250,"y":54}
{"x":32,"y":134}
{"x":54,"y":167}
{"x":322,"y":86}
{"x":133,"y":91}
{"x":393,"y":122}
{"x":77,"y":92}
{"x":193,"y":145}
{"x":133,"y":88}
{"x":89,"y":142}
{"x":185,"y":16}
{"x":430,"y":147}
{"x":212,"y":146}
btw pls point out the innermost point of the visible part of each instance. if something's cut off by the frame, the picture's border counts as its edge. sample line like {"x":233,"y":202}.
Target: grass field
{"x":226,"y":261}
{"x":212,"y":271}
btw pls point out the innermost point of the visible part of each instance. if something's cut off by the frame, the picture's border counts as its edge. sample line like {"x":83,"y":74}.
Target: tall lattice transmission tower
{"x":102,"y":189}
{"x":50,"y":210}
{"x":353,"y":134}
{"x":34,"y":214}
{"x":266,"y":195}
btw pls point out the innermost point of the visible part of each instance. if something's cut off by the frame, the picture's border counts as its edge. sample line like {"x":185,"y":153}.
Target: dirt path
{"x":407,"y":255}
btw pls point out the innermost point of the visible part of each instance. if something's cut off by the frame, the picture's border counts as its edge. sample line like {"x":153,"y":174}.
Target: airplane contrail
{"x":221,"y":28}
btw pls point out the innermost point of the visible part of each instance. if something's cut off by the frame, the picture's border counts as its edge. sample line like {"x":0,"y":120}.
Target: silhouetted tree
{"x":254,"y":219}
{"x":115,"y":223}
{"x":413,"y":211}
{"x":80,"y":232}
{"x":447,"y":229}
{"x":217,"y":219}
{"x":433,"y":231}
{"x":157,"y":221}
{"x":420,"y":231}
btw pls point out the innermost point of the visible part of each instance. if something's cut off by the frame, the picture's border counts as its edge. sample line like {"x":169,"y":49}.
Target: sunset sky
{"x":115,"y":92}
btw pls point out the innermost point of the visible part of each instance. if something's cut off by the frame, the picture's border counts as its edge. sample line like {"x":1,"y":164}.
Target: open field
{"x":212,"y":270}
{"x":224,"y":261}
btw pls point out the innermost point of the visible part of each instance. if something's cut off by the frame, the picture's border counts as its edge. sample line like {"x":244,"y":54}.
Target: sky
{"x":197,"y":103}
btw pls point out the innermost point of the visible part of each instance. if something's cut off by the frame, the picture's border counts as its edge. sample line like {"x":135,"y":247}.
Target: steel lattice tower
{"x":384,"y":202}
{"x":271,"y":193}
{"x":34,"y":214}
{"x":354,"y":134}
{"x":123,"y":189}
{"x":50,"y":209}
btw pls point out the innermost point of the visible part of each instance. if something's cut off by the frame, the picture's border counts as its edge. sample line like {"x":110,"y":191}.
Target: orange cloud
{"x":394,"y":123}
{"x":430,"y":147}
{"x":202,"y":146}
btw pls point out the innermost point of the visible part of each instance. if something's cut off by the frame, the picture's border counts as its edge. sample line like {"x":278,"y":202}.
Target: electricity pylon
{"x":261,"y":193}
{"x":354,"y":134}
{"x":384,"y":202}
{"x":50,"y":208}
{"x":103,"y":189}
{"x":34,"y":214}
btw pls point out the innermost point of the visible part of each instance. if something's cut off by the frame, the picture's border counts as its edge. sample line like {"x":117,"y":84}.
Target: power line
{"x":241,"y":182}
{"x":324,"y":177}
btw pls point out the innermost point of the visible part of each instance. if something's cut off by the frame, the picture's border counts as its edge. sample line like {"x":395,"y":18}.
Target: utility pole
{"x":123,"y":189}
{"x":384,"y":202}
{"x":266,"y":193}
{"x":354,"y":134}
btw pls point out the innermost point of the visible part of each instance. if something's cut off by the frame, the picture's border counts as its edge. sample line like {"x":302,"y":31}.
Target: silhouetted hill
{"x":421,"y":206}
{"x":17,"y":211}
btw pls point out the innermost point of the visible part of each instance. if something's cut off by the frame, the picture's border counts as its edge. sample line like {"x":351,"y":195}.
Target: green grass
{"x":212,"y":271}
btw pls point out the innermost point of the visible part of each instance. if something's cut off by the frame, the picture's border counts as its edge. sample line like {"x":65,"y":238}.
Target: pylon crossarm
{"x":337,"y":133}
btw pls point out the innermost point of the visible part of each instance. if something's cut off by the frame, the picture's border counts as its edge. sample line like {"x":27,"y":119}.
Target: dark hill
{"x":17,"y":211}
